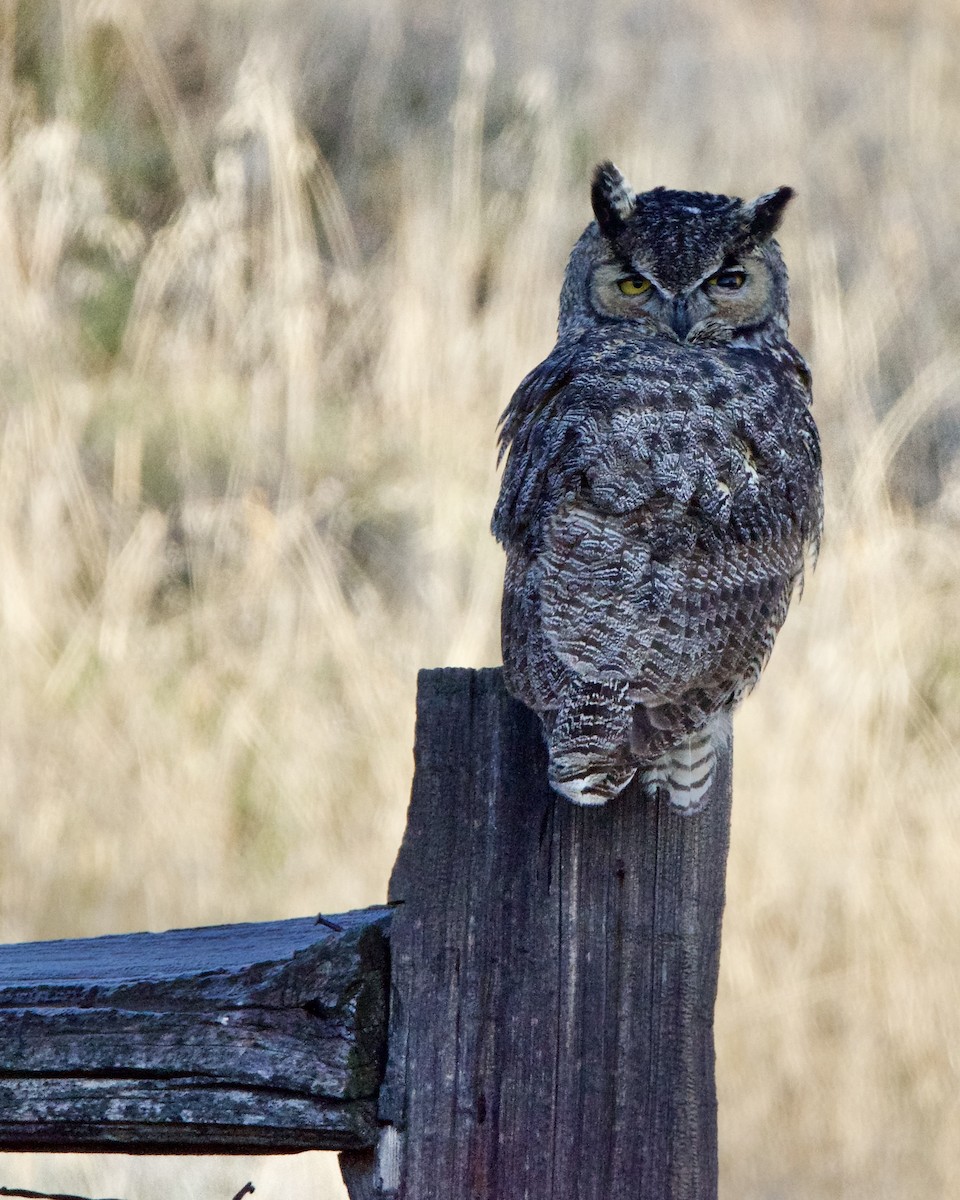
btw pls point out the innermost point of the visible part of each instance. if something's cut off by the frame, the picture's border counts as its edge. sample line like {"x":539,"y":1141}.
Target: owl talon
{"x":657,"y":792}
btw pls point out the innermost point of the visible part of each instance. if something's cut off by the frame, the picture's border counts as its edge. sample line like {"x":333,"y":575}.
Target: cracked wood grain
{"x":230,"y":1039}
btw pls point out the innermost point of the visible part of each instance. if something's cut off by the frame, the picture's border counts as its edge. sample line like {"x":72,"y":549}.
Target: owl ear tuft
{"x":766,"y":212}
{"x":612,"y":197}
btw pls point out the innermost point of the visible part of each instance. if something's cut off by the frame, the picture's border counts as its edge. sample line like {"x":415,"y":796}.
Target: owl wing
{"x":536,"y":434}
{"x":656,"y":544}
{"x":694,"y":620}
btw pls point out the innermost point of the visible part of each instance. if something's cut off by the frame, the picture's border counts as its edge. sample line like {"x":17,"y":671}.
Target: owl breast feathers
{"x":661,"y":492}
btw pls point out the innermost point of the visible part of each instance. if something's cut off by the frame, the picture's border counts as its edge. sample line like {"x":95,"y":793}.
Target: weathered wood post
{"x":553,"y":977}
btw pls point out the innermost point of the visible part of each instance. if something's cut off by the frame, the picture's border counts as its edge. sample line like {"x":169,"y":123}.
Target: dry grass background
{"x":270,"y":273}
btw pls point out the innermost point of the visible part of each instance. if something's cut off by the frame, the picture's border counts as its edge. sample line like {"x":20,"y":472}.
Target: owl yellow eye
{"x":636,"y":285}
{"x":728,"y":281}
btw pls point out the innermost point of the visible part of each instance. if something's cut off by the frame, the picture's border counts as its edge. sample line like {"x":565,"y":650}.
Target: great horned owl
{"x":661,"y":493}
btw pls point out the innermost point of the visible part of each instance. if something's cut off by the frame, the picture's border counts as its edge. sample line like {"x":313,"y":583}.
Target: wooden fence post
{"x":553,"y":976}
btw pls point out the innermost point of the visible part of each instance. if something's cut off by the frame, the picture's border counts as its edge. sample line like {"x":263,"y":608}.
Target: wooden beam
{"x":553,"y":978}
{"x":231,"y":1039}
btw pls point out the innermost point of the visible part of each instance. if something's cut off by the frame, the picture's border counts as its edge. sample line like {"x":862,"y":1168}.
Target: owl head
{"x":690,"y":267}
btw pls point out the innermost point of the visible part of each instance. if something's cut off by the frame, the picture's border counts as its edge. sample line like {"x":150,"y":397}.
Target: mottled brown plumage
{"x":661,"y":491}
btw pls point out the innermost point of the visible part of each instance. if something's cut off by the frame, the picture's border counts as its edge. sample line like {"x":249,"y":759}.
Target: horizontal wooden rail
{"x":232,"y":1039}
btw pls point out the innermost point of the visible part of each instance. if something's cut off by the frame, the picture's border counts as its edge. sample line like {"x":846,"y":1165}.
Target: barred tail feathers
{"x":592,"y":759}
{"x":686,"y":770}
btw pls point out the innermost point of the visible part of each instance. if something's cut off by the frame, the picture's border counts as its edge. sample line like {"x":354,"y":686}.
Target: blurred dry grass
{"x":270,"y":274}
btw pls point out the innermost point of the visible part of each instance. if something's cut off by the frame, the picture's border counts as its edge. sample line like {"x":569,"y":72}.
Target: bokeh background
{"x":270,"y":272}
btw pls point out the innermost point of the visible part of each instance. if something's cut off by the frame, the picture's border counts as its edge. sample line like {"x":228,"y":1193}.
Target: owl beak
{"x":680,"y":321}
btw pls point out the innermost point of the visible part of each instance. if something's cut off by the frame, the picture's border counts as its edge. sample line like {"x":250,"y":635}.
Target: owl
{"x":662,"y":491}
